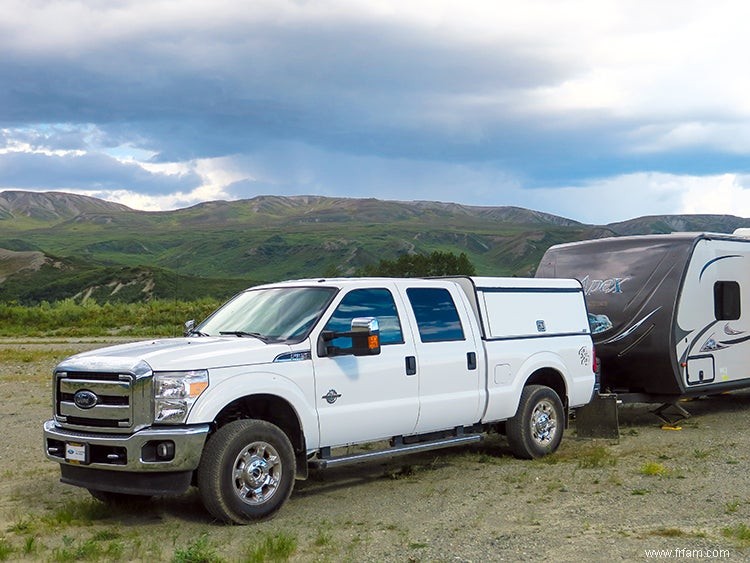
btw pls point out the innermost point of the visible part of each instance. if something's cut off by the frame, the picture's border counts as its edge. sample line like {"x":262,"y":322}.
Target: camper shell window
{"x":727,"y":300}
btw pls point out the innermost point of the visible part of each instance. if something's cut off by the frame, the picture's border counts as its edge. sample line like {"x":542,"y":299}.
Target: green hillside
{"x":94,"y":247}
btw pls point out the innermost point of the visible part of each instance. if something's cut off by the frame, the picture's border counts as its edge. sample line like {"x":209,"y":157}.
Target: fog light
{"x":165,"y":450}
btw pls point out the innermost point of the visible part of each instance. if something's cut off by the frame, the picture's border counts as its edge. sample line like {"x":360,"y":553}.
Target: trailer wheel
{"x":537,"y":428}
{"x":246,"y":471}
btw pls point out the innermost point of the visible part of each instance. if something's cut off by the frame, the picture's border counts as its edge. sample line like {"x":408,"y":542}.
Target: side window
{"x":376,"y":303}
{"x":727,"y":300}
{"x":437,"y":317}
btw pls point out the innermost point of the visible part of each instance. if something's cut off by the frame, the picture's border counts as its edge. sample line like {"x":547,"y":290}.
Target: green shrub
{"x":156,"y":318}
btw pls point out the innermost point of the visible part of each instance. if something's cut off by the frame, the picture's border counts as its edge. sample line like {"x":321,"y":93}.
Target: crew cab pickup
{"x":285,"y":376}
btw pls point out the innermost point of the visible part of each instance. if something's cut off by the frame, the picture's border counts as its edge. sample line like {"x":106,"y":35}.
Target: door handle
{"x":411,"y":365}
{"x":471,"y":360}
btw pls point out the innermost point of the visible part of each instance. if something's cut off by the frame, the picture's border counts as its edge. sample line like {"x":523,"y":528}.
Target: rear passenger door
{"x":448,"y":361}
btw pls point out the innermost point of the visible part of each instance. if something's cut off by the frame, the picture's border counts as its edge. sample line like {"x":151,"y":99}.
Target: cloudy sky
{"x":596,"y":110}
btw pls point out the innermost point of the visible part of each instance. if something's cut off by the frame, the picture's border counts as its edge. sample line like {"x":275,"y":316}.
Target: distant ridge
{"x":60,"y":245}
{"x":52,"y":206}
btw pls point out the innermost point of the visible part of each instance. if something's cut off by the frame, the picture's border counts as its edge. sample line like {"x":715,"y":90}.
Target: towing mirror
{"x":365,"y":335}
{"x":189,"y":326}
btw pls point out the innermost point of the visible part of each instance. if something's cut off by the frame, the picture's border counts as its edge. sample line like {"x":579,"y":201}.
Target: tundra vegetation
{"x":164,"y":317}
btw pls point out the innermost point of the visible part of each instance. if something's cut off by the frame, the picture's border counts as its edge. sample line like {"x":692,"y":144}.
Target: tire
{"x":118,"y":499}
{"x":246,"y":472}
{"x":537,"y":428}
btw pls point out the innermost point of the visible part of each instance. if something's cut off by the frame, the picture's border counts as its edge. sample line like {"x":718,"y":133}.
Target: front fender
{"x":228,"y":385}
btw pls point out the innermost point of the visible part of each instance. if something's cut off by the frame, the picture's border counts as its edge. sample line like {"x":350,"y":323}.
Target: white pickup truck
{"x":284,"y":376}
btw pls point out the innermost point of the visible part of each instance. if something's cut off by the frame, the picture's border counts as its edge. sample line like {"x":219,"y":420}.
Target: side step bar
{"x":398,"y":450}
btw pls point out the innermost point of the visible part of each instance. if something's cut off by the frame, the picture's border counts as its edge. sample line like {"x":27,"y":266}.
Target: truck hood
{"x":176,"y":354}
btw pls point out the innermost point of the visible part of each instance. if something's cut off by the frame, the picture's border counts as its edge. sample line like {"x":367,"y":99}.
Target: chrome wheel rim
{"x":257,"y":473}
{"x":544,"y":422}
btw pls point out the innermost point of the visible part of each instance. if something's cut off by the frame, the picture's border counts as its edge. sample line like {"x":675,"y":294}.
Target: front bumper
{"x":149,"y":450}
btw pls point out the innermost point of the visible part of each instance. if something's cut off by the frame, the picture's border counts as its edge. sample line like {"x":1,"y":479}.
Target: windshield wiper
{"x":193,"y":332}
{"x":243,"y":333}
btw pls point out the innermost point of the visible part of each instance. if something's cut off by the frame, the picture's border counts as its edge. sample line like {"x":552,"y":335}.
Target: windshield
{"x":283,"y":314}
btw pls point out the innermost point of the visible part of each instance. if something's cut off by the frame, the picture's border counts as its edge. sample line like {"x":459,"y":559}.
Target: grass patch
{"x":654,"y":469}
{"x":588,"y":456}
{"x":596,"y":456}
{"x":78,"y":512}
{"x":668,"y":533}
{"x":732,"y":506}
{"x":23,"y":526}
{"x":28,"y":355}
{"x":6,"y":549}
{"x":277,"y":547}
{"x":739,"y":533}
{"x":200,"y":551}
{"x":30,"y":545}
{"x":106,"y":535}
{"x":88,"y":550}
{"x":701,"y":454}
{"x":323,"y":538}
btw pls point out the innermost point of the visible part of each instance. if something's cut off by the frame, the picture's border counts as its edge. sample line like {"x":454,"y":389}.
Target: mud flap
{"x":599,"y":418}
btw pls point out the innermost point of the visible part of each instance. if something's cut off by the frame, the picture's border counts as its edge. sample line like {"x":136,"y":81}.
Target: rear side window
{"x":436,"y":314}
{"x":727,"y":300}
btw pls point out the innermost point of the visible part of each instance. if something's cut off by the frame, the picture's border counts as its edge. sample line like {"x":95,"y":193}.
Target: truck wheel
{"x":118,"y":499}
{"x":246,"y":471}
{"x":537,"y":428}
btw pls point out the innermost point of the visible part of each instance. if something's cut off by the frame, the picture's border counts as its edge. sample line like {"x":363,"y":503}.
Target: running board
{"x":328,"y":462}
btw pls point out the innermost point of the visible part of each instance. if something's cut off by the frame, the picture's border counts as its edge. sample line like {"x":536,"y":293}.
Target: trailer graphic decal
{"x":710,"y":262}
{"x":632,"y":329}
{"x":599,"y":323}
{"x":730,"y":331}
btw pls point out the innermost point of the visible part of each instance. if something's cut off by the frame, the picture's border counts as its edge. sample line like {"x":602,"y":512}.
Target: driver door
{"x":367,"y":398}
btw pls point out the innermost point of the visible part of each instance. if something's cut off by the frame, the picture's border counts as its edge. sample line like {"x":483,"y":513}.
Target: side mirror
{"x":365,"y":336}
{"x":189,"y":326}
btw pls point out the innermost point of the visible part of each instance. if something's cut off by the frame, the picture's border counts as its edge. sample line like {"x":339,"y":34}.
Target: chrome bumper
{"x":149,"y":450}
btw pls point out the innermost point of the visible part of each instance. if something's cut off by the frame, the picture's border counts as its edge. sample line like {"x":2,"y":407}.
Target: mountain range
{"x":56,"y":245}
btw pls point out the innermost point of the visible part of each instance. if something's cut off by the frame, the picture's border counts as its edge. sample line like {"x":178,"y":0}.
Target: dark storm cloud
{"x":359,"y":88}
{"x":370,"y":98}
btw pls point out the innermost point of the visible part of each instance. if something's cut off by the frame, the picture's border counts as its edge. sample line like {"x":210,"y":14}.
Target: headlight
{"x":175,"y":392}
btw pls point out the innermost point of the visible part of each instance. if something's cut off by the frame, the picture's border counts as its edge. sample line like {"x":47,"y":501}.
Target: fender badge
{"x":331,"y":396}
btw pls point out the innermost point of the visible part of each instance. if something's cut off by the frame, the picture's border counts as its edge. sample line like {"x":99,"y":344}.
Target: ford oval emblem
{"x":85,"y":399}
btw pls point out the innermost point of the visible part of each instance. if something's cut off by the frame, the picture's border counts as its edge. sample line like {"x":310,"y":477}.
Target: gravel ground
{"x":685,"y":490}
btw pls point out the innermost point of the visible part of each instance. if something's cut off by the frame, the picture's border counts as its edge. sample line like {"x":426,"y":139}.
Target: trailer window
{"x":436,"y":314}
{"x":727,"y":300}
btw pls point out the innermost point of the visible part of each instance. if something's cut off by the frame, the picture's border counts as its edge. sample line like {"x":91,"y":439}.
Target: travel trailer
{"x":670,"y":314}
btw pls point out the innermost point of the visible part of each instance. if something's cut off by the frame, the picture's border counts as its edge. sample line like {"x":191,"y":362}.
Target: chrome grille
{"x":113,"y":407}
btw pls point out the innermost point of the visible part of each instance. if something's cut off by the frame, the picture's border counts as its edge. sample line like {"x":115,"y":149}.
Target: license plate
{"x":76,"y":453}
